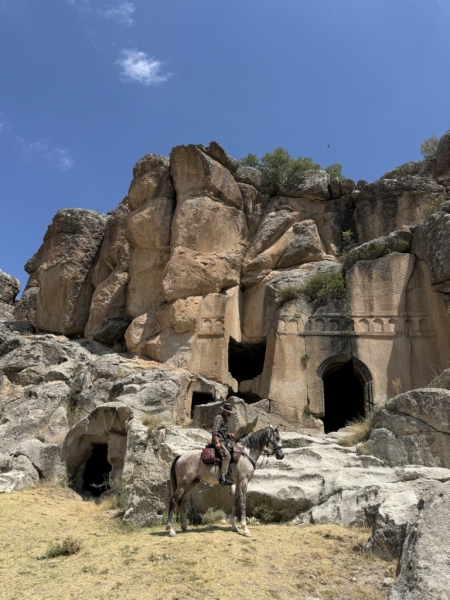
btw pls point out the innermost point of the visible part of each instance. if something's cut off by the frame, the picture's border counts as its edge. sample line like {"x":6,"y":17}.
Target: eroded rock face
{"x":424,"y":571}
{"x":443,"y":159}
{"x":431,"y":243}
{"x":148,"y":230}
{"x":63,"y":269}
{"x":110,"y":274}
{"x":388,"y":205}
{"x":414,"y":428}
{"x":9,"y":288}
{"x":209,"y":230}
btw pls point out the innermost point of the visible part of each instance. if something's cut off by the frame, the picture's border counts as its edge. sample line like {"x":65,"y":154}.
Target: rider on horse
{"x":220,"y":436}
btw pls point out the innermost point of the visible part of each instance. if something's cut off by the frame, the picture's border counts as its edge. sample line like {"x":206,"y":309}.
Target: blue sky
{"x":89,"y":86}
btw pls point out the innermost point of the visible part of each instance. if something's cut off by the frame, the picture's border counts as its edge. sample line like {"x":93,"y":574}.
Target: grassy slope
{"x":280,"y":562}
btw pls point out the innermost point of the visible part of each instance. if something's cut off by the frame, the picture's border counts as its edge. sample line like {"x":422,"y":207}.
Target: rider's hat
{"x":228,"y":408}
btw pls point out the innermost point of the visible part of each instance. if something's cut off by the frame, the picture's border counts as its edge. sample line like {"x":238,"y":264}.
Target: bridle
{"x":277,"y":449}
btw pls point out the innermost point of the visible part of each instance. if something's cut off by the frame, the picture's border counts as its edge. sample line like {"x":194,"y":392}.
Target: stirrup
{"x":225,"y":481}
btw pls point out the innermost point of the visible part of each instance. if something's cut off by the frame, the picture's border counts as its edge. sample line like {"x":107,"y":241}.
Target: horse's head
{"x":274,"y":443}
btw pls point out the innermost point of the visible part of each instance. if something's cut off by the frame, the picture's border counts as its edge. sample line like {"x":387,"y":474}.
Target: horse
{"x":188,"y":471}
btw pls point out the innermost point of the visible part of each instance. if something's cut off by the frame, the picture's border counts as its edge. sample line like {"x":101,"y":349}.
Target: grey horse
{"x":188,"y":470}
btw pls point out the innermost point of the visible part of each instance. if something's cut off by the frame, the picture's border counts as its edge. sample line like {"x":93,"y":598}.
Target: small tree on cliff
{"x":280,"y":171}
{"x":428,"y":147}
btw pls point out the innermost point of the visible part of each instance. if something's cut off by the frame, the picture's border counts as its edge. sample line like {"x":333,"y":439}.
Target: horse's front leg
{"x":243,"y":510}
{"x":237,"y":497}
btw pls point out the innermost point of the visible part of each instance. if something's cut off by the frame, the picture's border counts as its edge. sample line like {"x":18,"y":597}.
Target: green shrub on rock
{"x":320,"y":288}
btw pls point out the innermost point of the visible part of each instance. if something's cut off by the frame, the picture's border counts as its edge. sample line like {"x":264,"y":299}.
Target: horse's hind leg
{"x":176,"y":498}
{"x":190,"y":488}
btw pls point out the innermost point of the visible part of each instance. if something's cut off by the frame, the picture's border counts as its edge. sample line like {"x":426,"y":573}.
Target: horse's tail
{"x":173,"y":476}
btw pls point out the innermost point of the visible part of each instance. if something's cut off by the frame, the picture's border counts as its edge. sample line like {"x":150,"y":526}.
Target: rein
{"x":265,"y":453}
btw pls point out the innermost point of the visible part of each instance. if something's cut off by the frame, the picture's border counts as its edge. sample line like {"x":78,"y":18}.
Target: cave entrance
{"x":246,"y":361}
{"x":344,"y":390}
{"x":200,"y":398}
{"x":96,"y":471}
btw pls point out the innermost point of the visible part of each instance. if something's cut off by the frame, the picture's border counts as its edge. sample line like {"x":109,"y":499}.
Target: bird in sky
{"x":328,"y":146}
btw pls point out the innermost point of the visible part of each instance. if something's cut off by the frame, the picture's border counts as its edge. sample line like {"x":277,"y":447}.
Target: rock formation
{"x":203,"y":286}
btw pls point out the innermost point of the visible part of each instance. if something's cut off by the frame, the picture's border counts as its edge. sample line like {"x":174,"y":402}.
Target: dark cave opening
{"x":344,"y":396}
{"x":200,"y":398}
{"x":96,"y":471}
{"x":246,"y":361}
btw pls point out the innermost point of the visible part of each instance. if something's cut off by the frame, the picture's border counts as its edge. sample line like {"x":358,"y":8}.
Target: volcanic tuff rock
{"x":63,"y":269}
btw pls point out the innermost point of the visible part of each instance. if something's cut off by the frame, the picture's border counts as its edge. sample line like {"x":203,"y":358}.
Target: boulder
{"x":419,"y":168}
{"x":151,"y":180}
{"x":424,"y":565}
{"x":347,"y":186}
{"x":111,"y":331}
{"x":25,"y":307}
{"x":413,"y":428}
{"x":431,"y":243}
{"x":397,"y":241}
{"x":63,"y":269}
{"x":299,"y":244}
{"x":110,"y":274}
{"x":191,"y":273}
{"x":196,"y":174}
{"x":443,"y":159}
{"x":215,"y":151}
{"x":241,"y":423}
{"x":9,"y":288}
{"x":388,"y":205}
{"x":311,"y":185}
{"x":249,"y":176}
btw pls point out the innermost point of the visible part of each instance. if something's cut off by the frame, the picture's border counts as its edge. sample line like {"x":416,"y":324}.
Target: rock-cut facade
{"x":191,"y":271}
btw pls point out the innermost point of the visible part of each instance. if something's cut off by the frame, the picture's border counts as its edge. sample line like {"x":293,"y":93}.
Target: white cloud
{"x":59,"y":157}
{"x":138,"y":66}
{"x":122,"y":13}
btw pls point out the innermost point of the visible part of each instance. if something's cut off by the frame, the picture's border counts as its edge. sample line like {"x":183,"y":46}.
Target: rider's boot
{"x":225,"y":480}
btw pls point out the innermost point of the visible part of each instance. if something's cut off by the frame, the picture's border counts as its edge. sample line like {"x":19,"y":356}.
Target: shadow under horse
{"x":188,"y":471}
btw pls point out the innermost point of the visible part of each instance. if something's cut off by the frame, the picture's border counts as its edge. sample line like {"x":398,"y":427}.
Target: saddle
{"x":211,"y":456}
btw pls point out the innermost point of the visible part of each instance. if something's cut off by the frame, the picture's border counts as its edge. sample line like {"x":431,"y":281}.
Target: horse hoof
{"x":247,"y":533}
{"x":183,"y":529}
{"x":172,"y":533}
{"x":235,"y":529}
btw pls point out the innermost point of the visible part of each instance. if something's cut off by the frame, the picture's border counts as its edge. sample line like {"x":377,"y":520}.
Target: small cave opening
{"x":246,"y":361}
{"x":200,"y":398}
{"x":344,"y":396}
{"x":96,"y":471}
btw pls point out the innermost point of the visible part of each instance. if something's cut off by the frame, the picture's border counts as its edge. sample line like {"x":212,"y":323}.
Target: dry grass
{"x":279,"y":562}
{"x":359,"y":431}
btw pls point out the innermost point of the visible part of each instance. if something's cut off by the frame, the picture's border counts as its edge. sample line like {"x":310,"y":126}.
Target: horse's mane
{"x":254,"y":439}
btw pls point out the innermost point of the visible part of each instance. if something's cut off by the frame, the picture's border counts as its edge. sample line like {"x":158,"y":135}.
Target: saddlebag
{"x":209,"y":455}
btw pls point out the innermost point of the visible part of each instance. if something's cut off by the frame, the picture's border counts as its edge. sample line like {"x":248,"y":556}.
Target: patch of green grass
{"x":320,"y":288}
{"x":213,"y":515}
{"x":265,"y":513}
{"x":441,"y":381}
{"x":432,"y":206}
{"x":68,"y":546}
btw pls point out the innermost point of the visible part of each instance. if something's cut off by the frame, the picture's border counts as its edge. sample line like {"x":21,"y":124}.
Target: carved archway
{"x":360,"y":370}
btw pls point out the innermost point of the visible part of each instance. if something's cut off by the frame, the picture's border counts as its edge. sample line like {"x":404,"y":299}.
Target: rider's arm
{"x":216,"y":427}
